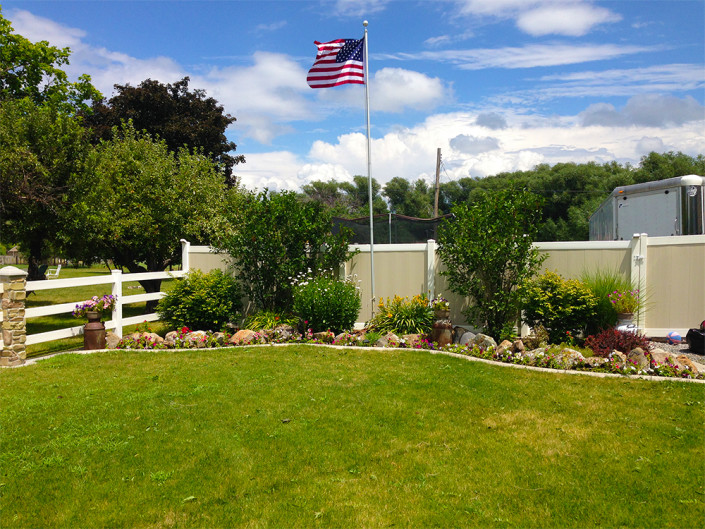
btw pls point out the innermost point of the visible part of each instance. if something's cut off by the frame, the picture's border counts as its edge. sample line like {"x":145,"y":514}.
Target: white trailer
{"x":675,"y":206}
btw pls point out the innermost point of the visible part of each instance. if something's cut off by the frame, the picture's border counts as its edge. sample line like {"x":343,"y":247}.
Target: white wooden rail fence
{"x":116,"y":278}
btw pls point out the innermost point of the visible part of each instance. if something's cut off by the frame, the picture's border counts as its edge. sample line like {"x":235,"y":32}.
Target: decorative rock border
{"x":32,"y":361}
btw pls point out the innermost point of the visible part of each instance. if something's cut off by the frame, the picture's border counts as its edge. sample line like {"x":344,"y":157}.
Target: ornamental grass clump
{"x":602,"y":282}
{"x":402,"y":316}
{"x":327,"y":304}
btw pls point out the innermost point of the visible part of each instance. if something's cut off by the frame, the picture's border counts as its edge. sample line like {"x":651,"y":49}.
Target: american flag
{"x":337,"y":62}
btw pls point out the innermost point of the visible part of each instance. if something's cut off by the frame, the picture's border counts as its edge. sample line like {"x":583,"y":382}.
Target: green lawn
{"x":306,"y":436}
{"x":64,"y":295}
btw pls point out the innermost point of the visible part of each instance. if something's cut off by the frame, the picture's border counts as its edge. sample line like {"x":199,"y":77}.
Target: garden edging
{"x":31,"y":361}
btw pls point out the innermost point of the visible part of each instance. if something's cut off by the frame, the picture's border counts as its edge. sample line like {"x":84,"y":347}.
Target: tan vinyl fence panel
{"x":675,"y":283}
{"x":671,"y":270}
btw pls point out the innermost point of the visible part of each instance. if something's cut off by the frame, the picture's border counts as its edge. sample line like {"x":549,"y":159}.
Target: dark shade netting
{"x":390,"y":228}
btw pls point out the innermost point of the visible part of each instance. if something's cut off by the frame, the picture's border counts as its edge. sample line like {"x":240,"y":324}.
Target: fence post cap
{"x":12,"y":272}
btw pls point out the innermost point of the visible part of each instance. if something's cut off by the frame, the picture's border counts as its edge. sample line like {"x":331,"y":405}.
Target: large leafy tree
{"x":274,"y":238}
{"x":346,"y":199}
{"x":40,"y":147}
{"x":412,"y":200}
{"x":135,"y":199}
{"x":33,"y":70}
{"x":179,"y":116}
{"x":487,"y":252}
{"x":41,"y":144}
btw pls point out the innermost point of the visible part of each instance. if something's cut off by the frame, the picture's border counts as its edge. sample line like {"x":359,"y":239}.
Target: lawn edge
{"x":34,"y":360}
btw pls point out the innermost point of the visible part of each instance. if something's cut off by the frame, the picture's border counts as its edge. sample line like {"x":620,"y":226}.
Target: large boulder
{"x":466,"y":338}
{"x":324,"y":336}
{"x":388,"y":340}
{"x":111,"y":340}
{"x":683,"y":361}
{"x":570,"y":358}
{"x":619,"y":358}
{"x":595,"y":361}
{"x":662,"y":357}
{"x":243,"y":337}
{"x":506,"y":345}
{"x":483,"y":341}
{"x":639,"y":358}
{"x":170,"y":338}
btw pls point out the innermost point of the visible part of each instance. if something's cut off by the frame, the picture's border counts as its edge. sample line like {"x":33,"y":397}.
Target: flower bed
{"x":638,"y":362}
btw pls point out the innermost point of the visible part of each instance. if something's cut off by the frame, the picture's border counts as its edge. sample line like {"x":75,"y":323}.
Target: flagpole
{"x":369,"y":177}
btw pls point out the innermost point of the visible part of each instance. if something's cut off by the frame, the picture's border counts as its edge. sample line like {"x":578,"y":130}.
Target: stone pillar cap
{"x":12,"y":271}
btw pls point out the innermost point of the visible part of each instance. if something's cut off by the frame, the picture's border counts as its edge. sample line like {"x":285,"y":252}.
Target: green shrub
{"x":201,"y":301}
{"x":402,"y":316}
{"x":602,"y":283}
{"x":487,"y":249}
{"x":326,"y":304}
{"x":609,"y":340}
{"x":267,"y":319}
{"x":562,"y":306}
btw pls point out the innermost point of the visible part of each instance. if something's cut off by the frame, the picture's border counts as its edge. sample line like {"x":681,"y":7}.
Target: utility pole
{"x":438,"y":176}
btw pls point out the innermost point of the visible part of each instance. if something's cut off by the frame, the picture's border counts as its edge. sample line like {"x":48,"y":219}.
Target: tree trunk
{"x":150,"y":286}
{"x":33,"y":260}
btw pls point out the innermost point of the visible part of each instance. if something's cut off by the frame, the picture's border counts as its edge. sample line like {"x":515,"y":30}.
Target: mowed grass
{"x":306,"y":436}
{"x":41,"y":298}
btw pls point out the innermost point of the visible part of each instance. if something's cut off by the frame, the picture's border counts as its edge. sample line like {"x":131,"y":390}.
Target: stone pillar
{"x":14,"y":329}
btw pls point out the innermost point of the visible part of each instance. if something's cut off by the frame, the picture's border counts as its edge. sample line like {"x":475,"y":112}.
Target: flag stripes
{"x":337,"y":62}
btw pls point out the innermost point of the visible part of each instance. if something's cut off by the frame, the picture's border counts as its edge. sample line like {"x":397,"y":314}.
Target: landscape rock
{"x":411,"y":339}
{"x":639,"y":358}
{"x":197,"y":338}
{"x":506,"y":345}
{"x":661,"y":357}
{"x":111,"y":340}
{"x":170,"y":338}
{"x":619,"y":358}
{"x":684,"y":361}
{"x":219,"y":337}
{"x":324,"y":336}
{"x":483,"y":341}
{"x":283,"y":332}
{"x":518,"y":346}
{"x":466,"y":338}
{"x":570,"y":358}
{"x":458,"y":331}
{"x":534,"y":353}
{"x":595,"y":361}
{"x":387,"y":340}
{"x":245,"y":336}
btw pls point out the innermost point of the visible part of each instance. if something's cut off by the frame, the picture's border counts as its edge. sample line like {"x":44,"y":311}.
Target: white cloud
{"x":264,"y":96}
{"x":491,"y":120}
{"x":574,"y":20}
{"x":529,"y":56}
{"x":36,"y":28}
{"x":526,"y":141}
{"x":277,"y":171}
{"x":466,"y":144}
{"x":392,"y":90}
{"x":648,"y":110}
{"x":354,"y":8}
{"x":648,"y":144}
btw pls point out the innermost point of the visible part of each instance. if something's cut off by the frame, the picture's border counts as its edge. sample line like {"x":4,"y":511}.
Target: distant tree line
{"x":571,"y":192}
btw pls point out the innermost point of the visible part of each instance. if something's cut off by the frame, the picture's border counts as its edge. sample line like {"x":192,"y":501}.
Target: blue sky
{"x":498,"y":85}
